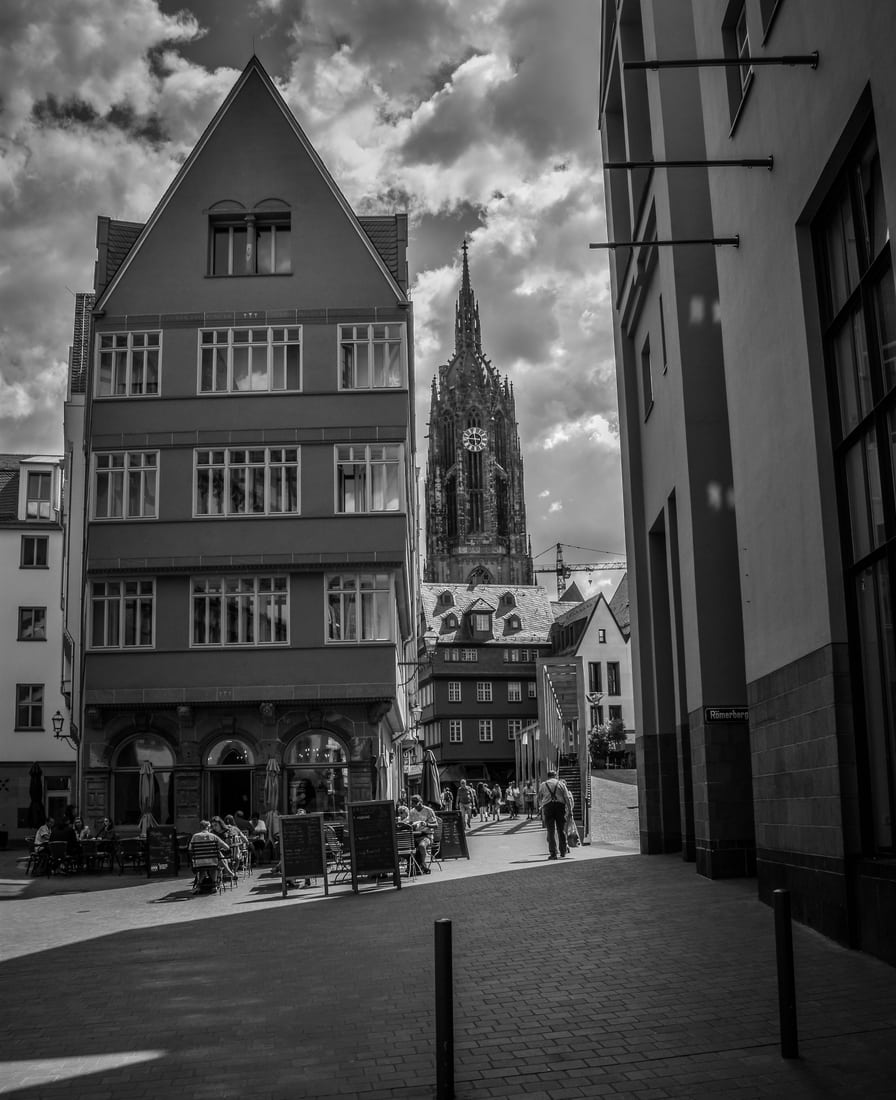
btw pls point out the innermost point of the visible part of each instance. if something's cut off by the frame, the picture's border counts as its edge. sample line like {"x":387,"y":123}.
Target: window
{"x":613,"y":678}
{"x":32,"y":624}
{"x":597,"y":716}
{"x":514,"y":691}
{"x":371,"y":357}
{"x":34,"y":551}
{"x":455,"y":731}
{"x":452,"y":655}
{"x":742,"y":41}
{"x":359,"y":607}
{"x":483,"y":691}
{"x":614,"y":712}
{"x":736,"y":44}
{"x":121,"y":614}
{"x":595,"y":680}
{"x":663,"y":335}
{"x":601,"y":636}
{"x":646,"y":378}
{"x":454,"y":691}
{"x":38,"y":502}
{"x":29,"y":706}
{"x":469,"y":654}
{"x":240,"y":611}
{"x":368,"y":478}
{"x":514,"y":728}
{"x":247,"y":482}
{"x":482,"y":622}
{"x":531,"y":690}
{"x":512,"y":656}
{"x":250,"y":360}
{"x":858,"y":313}
{"x":128,"y":364}
{"x":251,"y":244}
{"x":125,"y":485}
{"x":486,"y":732}
{"x":768,"y":9}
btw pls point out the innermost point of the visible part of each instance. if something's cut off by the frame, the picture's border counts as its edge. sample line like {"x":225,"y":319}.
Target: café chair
{"x":59,"y":859}
{"x":131,"y":852}
{"x":206,"y":864}
{"x":407,"y":851}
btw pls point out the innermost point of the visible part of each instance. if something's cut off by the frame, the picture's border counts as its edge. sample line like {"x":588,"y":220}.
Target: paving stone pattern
{"x":603,"y":975}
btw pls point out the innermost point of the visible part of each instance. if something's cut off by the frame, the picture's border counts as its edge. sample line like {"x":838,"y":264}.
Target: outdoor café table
{"x":94,"y":852}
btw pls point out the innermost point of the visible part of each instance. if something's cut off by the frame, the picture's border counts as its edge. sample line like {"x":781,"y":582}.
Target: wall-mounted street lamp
{"x":72,"y":738}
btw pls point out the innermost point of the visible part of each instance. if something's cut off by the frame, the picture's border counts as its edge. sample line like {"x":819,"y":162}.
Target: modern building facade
{"x":475,"y":502}
{"x":756,"y":396}
{"x":478,"y":692}
{"x":248,"y":517}
{"x":37,"y":770}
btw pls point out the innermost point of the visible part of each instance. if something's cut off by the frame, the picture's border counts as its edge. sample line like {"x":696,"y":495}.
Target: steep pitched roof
{"x":254,"y":67}
{"x":532,"y":607}
{"x":621,"y":608}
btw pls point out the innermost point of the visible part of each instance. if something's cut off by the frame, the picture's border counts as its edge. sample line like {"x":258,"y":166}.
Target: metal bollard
{"x":444,"y":1012}
{"x":786,"y":982}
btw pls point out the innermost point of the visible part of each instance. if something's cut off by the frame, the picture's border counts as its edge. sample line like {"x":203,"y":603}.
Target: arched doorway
{"x":229,"y":766}
{"x":317,"y":775}
{"x":126,"y":779}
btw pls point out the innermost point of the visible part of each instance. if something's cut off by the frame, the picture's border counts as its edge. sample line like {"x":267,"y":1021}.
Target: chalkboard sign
{"x":454,"y":835}
{"x":302,"y":850}
{"x":372,"y":841}
{"x":162,"y":856}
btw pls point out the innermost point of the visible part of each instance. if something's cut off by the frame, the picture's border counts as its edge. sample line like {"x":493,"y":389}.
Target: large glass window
{"x":121,"y":613}
{"x":134,"y":794}
{"x":368,"y":477}
{"x":246,"y":360}
{"x":128,"y":364}
{"x":126,"y":485}
{"x":240,"y":611}
{"x":359,"y":607}
{"x":858,"y":308}
{"x":317,"y":775}
{"x":371,"y":357}
{"x":247,"y":481}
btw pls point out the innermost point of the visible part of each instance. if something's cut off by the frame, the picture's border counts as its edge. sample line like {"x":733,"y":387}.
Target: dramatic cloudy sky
{"x":478,"y":117}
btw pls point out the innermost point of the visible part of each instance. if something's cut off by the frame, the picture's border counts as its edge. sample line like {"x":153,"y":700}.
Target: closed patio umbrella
{"x":431,"y":792}
{"x":36,"y":815}
{"x":271,"y":793}
{"x":146,"y":794}
{"x":382,"y":776}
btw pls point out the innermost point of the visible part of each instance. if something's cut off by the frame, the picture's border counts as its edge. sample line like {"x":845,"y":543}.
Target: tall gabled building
{"x":248,"y":519}
{"x":475,"y":504}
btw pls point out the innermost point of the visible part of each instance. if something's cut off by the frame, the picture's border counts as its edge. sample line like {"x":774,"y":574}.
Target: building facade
{"x":37,"y":770}
{"x":475,"y":502}
{"x":478,"y":692}
{"x":756,"y":394}
{"x":248,"y":508}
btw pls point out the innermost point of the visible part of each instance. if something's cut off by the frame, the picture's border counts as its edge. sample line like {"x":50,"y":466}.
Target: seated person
{"x":205,"y":834}
{"x":82,"y":831}
{"x":402,"y":814}
{"x":258,"y":835}
{"x":106,"y":831}
{"x":424,"y":824}
{"x":63,"y":831}
{"x":42,"y":836}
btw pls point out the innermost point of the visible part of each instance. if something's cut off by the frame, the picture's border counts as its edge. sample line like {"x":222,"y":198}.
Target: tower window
{"x":250,"y":245}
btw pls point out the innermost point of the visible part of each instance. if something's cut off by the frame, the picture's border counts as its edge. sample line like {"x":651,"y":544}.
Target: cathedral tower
{"x":475,"y":505}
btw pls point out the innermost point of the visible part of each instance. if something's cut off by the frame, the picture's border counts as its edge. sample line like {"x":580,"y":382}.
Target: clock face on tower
{"x":475,"y":439}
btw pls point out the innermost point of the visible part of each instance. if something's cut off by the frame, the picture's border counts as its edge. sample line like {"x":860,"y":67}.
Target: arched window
{"x":227,"y":782}
{"x":317,"y":774}
{"x":129,"y":759}
{"x":230,"y":753}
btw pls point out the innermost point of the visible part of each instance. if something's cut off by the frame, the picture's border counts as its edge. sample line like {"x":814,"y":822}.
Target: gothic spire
{"x":467,"y":334}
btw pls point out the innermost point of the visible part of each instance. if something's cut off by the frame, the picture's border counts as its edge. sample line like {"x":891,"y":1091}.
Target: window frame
{"x":614,"y":678}
{"x":39,"y":620}
{"x":514,"y":691}
{"x":229,"y":466}
{"x":277,"y":338}
{"x":37,"y":541}
{"x":372,"y":467}
{"x":484,"y":692}
{"x":30,"y":698}
{"x":455,"y":691}
{"x":531,"y":689}
{"x":126,"y":345}
{"x":126,"y":603}
{"x":237,"y":598}
{"x":486,"y":730}
{"x":127,"y":476}
{"x":514,"y":729}
{"x":455,"y":731}
{"x":370,"y":342}
{"x":38,"y":506}
{"x":254,"y":224}
{"x":382,"y":594}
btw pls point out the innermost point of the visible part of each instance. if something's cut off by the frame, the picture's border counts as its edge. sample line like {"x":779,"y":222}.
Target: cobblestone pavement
{"x":607,"y":974}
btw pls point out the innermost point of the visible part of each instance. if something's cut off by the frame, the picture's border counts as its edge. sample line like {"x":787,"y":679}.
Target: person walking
{"x":529,"y":799}
{"x":483,"y":798}
{"x":555,"y":801}
{"x":495,"y":802}
{"x":465,"y":803}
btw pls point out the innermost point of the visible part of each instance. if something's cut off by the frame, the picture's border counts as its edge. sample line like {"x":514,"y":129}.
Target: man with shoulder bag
{"x":555,"y":801}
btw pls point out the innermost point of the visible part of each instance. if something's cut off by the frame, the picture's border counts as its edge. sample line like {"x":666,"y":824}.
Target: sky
{"x":477,"y":117}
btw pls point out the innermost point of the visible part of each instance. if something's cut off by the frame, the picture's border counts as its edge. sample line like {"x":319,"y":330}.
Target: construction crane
{"x":564,"y":571}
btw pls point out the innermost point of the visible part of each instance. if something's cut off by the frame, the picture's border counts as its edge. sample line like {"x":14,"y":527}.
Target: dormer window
{"x":450,"y":622}
{"x":38,"y":495}
{"x":482,"y":623}
{"x":446,"y":599}
{"x":513,"y":622}
{"x":507,"y":602}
